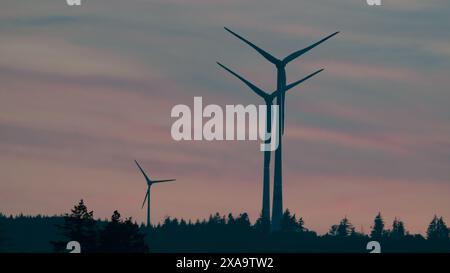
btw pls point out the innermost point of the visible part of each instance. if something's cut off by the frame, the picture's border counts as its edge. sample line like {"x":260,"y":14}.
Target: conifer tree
{"x":78,"y":226}
{"x":122,"y":236}
{"x":438,"y":230}
{"x":398,"y":229}
{"x":378,"y":228}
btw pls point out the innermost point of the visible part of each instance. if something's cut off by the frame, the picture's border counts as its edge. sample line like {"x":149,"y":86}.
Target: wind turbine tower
{"x":268,"y":99}
{"x":280,"y":64}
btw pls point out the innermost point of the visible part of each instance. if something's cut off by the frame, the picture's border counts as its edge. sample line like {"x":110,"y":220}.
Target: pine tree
{"x":333,"y":230}
{"x":301,"y":225}
{"x":344,"y":229}
{"x":242,"y":221}
{"x":398,"y":229}
{"x":289,"y":222}
{"x":122,"y":236}
{"x":230,"y":220}
{"x":79,"y":226}
{"x":378,"y":228}
{"x":438,"y":230}
{"x":238,"y":225}
{"x":443,"y":230}
{"x":216,"y":220}
{"x":262,"y":225}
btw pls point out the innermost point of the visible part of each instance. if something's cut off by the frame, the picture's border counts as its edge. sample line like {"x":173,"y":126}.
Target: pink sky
{"x":86,"y":92}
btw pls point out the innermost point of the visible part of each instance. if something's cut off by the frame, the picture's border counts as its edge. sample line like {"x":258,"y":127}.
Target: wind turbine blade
{"x":165,"y":180}
{"x":264,"y":53}
{"x":283,"y":96}
{"x":289,"y":86}
{"x":253,"y":87}
{"x":297,"y":54}
{"x":143,"y":173}
{"x":145,"y":198}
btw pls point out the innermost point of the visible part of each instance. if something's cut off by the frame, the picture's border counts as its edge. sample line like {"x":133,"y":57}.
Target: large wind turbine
{"x":280,"y":64}
{"x":277,"y":209}
{"x":147,"y":194}
{"x":268,"y":99}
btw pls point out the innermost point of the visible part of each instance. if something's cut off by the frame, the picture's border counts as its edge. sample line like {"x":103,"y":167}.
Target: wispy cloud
{"x":86,"y":91}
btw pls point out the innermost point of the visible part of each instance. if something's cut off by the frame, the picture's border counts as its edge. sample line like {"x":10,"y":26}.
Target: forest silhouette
{"x":218,"y":233}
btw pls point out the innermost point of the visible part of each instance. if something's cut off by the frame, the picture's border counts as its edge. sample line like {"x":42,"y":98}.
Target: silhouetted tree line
{"x":116,"y":235}
{"x":229,"y":234}
{"x":218,"y":233}
{"x":28,"y":233}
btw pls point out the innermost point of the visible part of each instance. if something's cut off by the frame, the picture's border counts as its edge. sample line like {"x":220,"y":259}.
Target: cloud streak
{"x":86,"y":92}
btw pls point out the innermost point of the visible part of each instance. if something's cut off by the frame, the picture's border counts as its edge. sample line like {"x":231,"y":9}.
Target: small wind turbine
{"x":147,"y":195}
